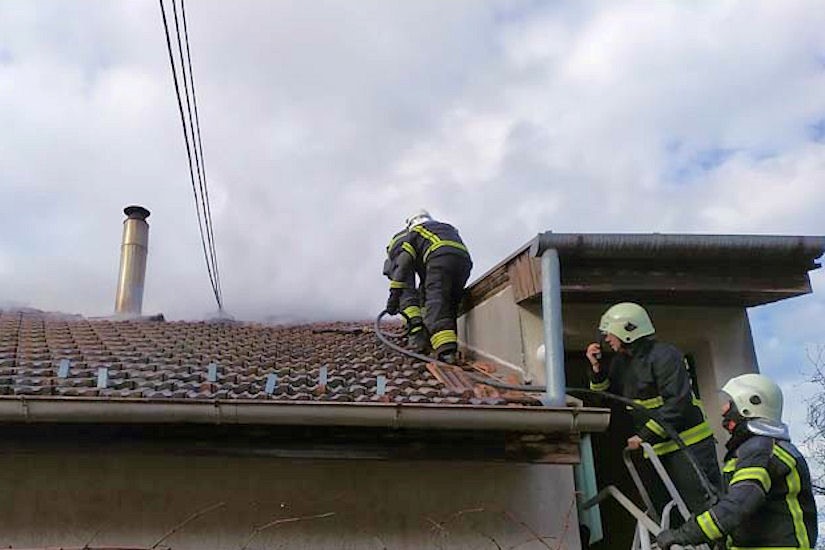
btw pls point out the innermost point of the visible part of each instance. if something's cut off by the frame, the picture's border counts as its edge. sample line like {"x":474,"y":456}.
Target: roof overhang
{"x":723,"y":270}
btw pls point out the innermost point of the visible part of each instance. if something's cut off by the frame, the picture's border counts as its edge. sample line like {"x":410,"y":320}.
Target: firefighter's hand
{"x":666,"y":539}
{"x":634,"y":442}
{"x":594,"y":354}
{"x":394,"y":302}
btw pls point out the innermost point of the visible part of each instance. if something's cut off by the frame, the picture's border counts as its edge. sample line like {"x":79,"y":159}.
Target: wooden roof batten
{"x":677,"y":269}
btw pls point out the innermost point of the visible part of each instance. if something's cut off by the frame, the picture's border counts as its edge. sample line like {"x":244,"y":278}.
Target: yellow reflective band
{"x":708,"y":526}
{"x":794,"y":486}
{"x":690,"y":436}
{"x":600,"y":386}
{"x":656,"y":428}
{"x":393,"y":241}
{"x":730,"y":465}
{"x":426,"y":233}
{"x":415,"y":329}
{"x":429,"y":235}
{"x":412,"y":311}
{"x":753,"y":473}
{"x":398,"y":284}
{"x":439,"y":244}
{"x":652,"y":403}
{"x":409,"y":249}
{"x":443,"y":337}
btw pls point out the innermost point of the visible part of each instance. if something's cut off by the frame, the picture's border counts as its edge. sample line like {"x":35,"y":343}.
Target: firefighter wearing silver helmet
{"x":769,"y":500}
{"x":654,"y":374}
{"x":434,"y":251}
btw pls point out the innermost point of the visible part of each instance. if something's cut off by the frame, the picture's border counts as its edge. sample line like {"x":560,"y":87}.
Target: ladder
{"x":648,"y":522}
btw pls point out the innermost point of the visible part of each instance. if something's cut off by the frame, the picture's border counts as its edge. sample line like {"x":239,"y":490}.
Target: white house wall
{"x":133,"y":498}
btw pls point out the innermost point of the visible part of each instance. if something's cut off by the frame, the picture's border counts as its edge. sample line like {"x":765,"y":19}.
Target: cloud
{"x":325,"y":124}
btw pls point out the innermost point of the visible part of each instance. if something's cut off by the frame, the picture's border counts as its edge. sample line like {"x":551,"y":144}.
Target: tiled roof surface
{"x":57,"y":355}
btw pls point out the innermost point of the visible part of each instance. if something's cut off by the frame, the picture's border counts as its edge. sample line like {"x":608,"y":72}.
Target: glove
{"x":394,"y":302}
{"x":670,"y":537}
{"x":666,"y":539}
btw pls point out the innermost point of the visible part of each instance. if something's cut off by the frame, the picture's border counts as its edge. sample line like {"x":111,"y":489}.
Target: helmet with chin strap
{"x":756,"y":403}
{"x":755,"y":396}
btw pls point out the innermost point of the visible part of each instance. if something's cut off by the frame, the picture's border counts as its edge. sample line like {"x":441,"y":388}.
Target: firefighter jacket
{"x":402,"y":277}
{"x":655,"y":376}
{"x":431,"y":240}
{"x":769,"y":501}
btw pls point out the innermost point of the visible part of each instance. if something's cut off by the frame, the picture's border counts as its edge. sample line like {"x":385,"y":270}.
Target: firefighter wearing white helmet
{"x":769,"y":500}
{"x":434,"y":251}
{"x":654,"y":374}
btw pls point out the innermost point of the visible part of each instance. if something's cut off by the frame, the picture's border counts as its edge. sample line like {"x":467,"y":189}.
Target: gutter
{"x":379,"y":415}
{"x":658,"y":245}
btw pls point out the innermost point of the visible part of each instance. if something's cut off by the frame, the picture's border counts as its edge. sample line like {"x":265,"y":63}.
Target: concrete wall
{"x":134,"y":498}
{"x":718,"y":337}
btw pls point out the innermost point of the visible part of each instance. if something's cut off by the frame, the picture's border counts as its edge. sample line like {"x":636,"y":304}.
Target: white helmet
{"x":418,"y":218}
{"x":627,"y":321}
{"x":755,"y":396}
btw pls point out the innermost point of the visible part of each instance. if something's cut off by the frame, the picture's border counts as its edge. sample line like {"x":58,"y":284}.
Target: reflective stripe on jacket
{"x":400,"y":275}
{"x":432,"y":239}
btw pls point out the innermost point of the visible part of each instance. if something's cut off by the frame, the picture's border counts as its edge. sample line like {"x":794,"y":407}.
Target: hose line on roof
{"x":489,"y":381}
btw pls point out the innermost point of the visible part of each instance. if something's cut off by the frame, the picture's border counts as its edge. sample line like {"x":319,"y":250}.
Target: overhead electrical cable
{"x":205,"y":189}
{"x":202,"y":207}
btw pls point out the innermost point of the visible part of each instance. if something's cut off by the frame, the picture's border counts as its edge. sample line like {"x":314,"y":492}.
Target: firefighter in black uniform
{"x":404,"y":296}
{"x":438,"y":255}
{"x":654,"y":374}
{"x":769,"y":501}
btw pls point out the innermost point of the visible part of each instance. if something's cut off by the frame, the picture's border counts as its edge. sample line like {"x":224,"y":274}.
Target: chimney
{"x":133,"y":250}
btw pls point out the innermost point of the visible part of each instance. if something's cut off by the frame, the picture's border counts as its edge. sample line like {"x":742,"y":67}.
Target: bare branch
{"x":257,"y":530}
{"x":94,"y":535}
{"x":490,"y":538}
{"x":191,"y":518}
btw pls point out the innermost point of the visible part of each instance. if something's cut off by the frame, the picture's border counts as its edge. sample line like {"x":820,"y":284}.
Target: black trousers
{"x":685,"y":479}
{"x":446,"y":275}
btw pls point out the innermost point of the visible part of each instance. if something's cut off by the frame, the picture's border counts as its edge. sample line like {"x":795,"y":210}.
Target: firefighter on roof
{"x":769,"y":501}
{"x":433,"y":250}
{"x":654,"y":374}
{"x":404,"y":296}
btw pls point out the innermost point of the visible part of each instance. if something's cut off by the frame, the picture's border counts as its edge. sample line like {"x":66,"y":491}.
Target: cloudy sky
{"x":325,"y":123}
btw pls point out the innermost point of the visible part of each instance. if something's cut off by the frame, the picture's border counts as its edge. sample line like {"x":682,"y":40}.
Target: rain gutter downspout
{"x":551,"y":317}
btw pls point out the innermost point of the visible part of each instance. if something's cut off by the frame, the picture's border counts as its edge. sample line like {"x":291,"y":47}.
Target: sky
{"x":326,"y":123}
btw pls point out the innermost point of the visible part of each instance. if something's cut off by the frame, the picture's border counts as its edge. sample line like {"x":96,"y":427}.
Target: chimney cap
{"x":137,"y":212}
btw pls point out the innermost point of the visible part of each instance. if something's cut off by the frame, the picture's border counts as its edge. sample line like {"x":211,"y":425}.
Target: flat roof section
{"x":677,"y":269}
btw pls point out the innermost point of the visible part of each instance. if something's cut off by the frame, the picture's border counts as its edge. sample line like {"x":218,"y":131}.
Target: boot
{"x":448,"y":356}
{"x":419,"y":342}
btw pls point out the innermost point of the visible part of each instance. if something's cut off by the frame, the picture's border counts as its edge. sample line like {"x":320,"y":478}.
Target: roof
{"x":679,"y":269}
{"x":57,"y":368}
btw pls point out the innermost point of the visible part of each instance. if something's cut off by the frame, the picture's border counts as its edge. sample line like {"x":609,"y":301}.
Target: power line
{"x":202,"y":198}
{"x":205,"y":190}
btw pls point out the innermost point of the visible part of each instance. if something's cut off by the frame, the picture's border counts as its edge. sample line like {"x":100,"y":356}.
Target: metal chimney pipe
{"x":133,"y":251}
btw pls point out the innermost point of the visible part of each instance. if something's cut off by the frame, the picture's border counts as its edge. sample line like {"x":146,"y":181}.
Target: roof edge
{"x":378,"y":415}
{"x":651,"y":245}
